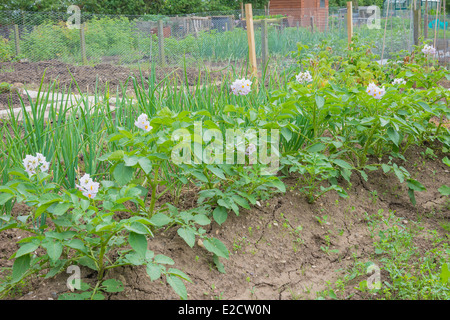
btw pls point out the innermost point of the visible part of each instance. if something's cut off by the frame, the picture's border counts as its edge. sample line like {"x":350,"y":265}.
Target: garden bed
{"x":361,"y":185}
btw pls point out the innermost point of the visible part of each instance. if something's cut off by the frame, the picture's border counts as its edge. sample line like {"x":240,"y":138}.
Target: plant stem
{"x":153,"y":184}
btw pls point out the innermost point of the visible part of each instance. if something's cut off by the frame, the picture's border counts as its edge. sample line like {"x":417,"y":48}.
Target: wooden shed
{"x":302,"y":11}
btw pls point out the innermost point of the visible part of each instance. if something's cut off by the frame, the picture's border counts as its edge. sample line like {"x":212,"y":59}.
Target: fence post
{"x":16,"y":39}
{"x":349,"y":21}
{"x":161,"y":42}
{"x":416,"y":19}
{"x":251,"y":40}
{"x":264,"y":44}
{"x":230,"y":23}
{"x":312,"y":24}
{"x":83,"y":43}
{"x":425,"y":21}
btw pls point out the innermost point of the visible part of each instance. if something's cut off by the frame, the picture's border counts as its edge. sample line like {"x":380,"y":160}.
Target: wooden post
{"x":312,"y":24}
{"x":416,"y":18}
{"x":445,"y":38}
{"x":242,"y":10}
{"x":436,"y":24}
{"x":162,"y":58}
{"x":251,"y":40}
{"x":16,"y":39}
{"x":83,"y":43}
{"x":349,"y":21}
{"x":264,"y":44}
{"x":230,"y":23}
{"x":425,"y":21}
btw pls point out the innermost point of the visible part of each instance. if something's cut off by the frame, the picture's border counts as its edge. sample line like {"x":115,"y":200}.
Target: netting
{"x":108,"y":48}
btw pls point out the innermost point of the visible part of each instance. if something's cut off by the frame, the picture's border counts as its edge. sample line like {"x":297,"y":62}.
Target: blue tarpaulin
{"x":441,"y":24}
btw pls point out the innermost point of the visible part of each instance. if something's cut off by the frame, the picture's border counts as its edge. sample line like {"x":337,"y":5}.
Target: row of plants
{"x":338,"y":115}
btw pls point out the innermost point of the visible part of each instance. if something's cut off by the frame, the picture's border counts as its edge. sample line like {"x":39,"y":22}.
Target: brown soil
{"x":11,"y":99}
{"x":268,"y":260}
{"x":30,"y":74}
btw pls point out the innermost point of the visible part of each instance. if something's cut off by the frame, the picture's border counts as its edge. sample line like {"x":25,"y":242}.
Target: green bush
{"x":6,"y":50}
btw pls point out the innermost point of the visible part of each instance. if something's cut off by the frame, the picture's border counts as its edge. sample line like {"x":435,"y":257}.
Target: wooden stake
{"x":16,"y":39}
{"x":264,"y":44}
{"x":385,"y":27}
{"x":425,"y":21}
{"x":251,"y":40}
{"x":436,"y":23}
{"x":445,"y":38}
{"x":83,"y":43}
{"x":416,"y":18}
{"x":349,"y":21}
{"x":161,"y":43}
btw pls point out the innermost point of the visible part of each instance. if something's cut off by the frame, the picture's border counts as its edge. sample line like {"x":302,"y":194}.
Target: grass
{"x":405,"y":269}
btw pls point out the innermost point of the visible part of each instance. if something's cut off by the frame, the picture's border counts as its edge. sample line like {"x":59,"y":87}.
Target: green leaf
{"x":229,"y":108}
{"x":130,"y":161}
{"x":112,"y":285}
{"x":279,"y":185}
{"x":154,"y":271}
{"x":162,"y":259}
{"x":26,"y":248}
{"x":286,"y":133}
{"x":188,"y":235}
{"x":98,"y":296}
{"x":145,"y":165}
{"x":201,"y":219}
{"x":446,"y":161}
{"x":123,"y":174}
{"x":217,"y":171}
{"x":217,"y":247}
{"x":54,"y":249}
{"x":116,"y":155}
{"x":200,"y":176}
{"x":5,"y":197}
{"x":317,"y":147}
{"x":386,"y":168}
{"x":44,"y":206}
{"x":138,"y":227}
{"x":393,"y":135}
{"x":88,"y":262}
{"x":320,"y":101}
{"x":343,"y":164}
{"x":179,"y":274}
{"x":241,"y":201}
{"x":20,"y":267}
{"x":445,"y":273}
{"x":177,"y":285}
{"x":76,"y":244}
{"x":61,"y":208}
{"x":138,"y":242}
{"x":219,"y":265}
{"x":160,"y":219}
{"x":415,"y":185}
{"x":412,"y":196}
{"x":444,"y":190}
{"x":135,"y":258}
{"x":220,"y":214}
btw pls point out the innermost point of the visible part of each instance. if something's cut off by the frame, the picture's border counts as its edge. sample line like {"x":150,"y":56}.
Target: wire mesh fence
{"x":108,"y":48}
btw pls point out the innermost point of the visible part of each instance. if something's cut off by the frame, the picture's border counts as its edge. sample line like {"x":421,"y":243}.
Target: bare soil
{"x":268,"y":260}
{"x":30,"y":75}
